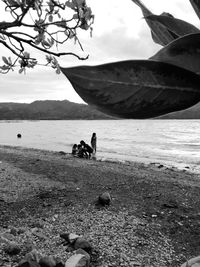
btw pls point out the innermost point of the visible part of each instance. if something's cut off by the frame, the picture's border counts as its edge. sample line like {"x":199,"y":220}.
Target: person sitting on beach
{"x":87,"y":149}
{"x":94,"y":142}
{"x":74,"y":149}
{"x":80,"y":152}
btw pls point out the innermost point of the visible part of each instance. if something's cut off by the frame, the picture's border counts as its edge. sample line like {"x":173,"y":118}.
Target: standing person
{"x":94,"y":142}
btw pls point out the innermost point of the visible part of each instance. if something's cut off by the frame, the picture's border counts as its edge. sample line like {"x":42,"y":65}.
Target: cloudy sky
{"x":119,"y":33}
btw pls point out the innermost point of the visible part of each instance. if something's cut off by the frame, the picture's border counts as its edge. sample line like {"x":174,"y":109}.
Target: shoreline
{"x":153,"y":217}
{"x":147,"y":162}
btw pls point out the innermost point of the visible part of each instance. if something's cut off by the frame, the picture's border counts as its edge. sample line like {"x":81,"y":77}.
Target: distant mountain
{"x":50,"y":110}
{"x":190,"y":113}
{"x":66,"y":110}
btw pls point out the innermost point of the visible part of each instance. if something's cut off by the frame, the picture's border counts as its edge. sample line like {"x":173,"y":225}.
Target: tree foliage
{"x":41,"y":25}
{"x":169,"y":81}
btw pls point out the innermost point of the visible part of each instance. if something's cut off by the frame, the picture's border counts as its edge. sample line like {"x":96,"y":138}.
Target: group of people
{"x":83,"y":150}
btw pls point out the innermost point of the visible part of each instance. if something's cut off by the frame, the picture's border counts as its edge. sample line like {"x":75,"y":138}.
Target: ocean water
{"x":170,"y":142}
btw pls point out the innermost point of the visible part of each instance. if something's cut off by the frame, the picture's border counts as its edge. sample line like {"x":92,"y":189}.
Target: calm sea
{"x":172,"y":142}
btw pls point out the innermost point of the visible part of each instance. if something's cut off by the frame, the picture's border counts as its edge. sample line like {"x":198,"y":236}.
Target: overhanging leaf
{"x":183,"y":52}
{"x":177,"y":26}
{"x":160,"y":34}
{"x":135,"y":89}
{"x":196,"y":6}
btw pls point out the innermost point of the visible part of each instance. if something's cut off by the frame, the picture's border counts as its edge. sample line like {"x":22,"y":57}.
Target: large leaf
{"x":177,"y":26}
{"x":196,"y":6}
{"x":183,"y":52}
{"x":135,"y":89}
{"x":160,"y":33}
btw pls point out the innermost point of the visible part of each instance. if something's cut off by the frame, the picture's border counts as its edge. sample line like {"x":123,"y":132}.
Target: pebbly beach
{"x":153,"y":218}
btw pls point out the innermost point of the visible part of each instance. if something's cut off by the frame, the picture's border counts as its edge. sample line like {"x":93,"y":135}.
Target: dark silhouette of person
{"x":87,"y":149}
{"x":74,"y":149}
{"x":94,"y":142}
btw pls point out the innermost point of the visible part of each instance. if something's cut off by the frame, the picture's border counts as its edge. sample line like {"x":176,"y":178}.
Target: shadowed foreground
{"x":154,"y":217}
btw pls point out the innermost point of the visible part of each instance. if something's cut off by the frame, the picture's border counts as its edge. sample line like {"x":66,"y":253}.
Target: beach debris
{"x":12,"y":248}
{"x":77,"y":260}
{"x":70,"y":238}
{"x":160,"y":166}
{"x":171,"y":204}
{"x":194,"y":262}
{"x":104,"y":199}
{"x":47,"y":261}
{"x":83,"y":244}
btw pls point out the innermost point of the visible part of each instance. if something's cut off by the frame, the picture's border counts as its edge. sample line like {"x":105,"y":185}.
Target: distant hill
{"x":50,"y":110}
{"x":190,"y":113}
{"x":66,"y":110}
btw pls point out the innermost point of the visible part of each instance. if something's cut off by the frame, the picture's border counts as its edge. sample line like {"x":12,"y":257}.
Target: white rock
{"x":77,"y":260}
{"x":72,"y":237}
{"x":194,"y":262}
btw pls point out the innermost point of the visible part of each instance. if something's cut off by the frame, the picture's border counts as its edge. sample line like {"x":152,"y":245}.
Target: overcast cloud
{"x":119,"y":33}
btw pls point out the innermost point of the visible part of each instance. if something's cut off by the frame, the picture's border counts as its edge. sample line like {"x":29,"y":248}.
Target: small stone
{"x":13,"y":231}
{"x":77,"y":260}
{"x":7,"y":236}
{"x":70,"y":238}
{"x":21,"y":230}
{"x":38,"y":224}
{"x":39,"y":234}
{"x":105,"y":199}
{"x":194,"y":262}
{"x":12,"y":248}
{"x":83,"y":244}
{"x":47,"y":261}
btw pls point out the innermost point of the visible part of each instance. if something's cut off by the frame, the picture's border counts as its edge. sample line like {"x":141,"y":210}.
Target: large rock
{"x":83,"y":244}
{"x":194,"y":262}
{"x":77,"y":260}
{"x":104,"y":199}
{"x":12,"y":248}
{"x":47,"y":261}
{"x":83,"y":252}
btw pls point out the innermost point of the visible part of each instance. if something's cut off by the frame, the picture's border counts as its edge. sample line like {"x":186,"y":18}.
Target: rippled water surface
{"x":173,"y":142}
